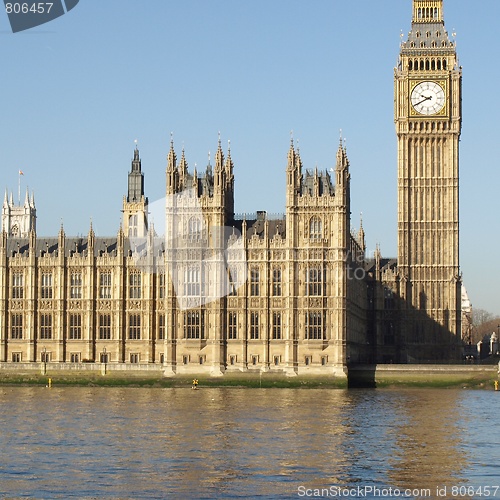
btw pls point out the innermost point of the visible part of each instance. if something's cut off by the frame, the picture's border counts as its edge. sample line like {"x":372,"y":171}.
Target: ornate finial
{"x":172,"y":140}
{"x":229,"y":146}
{"x":135,"y":142}
{"x":209,"y":157}
{"x":219,"y":137}
{"x":291,"y":138}
{"x":298,"y":147}
{"x":340,"y":137}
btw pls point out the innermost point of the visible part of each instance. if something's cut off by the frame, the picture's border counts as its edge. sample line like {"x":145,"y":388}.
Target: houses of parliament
{"x":301,"y":296}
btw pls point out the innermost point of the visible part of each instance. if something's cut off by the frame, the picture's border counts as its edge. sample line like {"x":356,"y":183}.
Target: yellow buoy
{"x":496,"y":385}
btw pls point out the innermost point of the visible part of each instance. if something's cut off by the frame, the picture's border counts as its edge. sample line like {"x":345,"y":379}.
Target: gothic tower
{"x":135,"y":205}
{"x":428,"y":124}
{"x":19,"y":220}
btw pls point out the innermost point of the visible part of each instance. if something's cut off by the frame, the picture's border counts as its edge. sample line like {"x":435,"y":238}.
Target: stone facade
{"x":302,"y":297}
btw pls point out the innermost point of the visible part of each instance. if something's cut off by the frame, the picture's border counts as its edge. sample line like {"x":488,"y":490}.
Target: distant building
{"x":302,"y":297}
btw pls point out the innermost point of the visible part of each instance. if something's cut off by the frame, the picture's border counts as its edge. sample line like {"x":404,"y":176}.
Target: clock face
{"x":427,"y":98}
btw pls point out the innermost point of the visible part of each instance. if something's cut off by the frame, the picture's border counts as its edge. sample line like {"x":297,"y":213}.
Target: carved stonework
{"x":46,"y":304}
{"x":16,"y":305}
{"x":75,"y":305}
{"x":134,"y":304}
{"x":315,"y":302}
{"x":104,"y":305}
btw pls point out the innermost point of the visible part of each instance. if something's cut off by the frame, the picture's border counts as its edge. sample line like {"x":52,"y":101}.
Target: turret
{"x":135,"y":204}
{"x":172,"y":172}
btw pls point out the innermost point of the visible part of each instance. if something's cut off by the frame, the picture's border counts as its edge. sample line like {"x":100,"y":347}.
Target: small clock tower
{"x":428,"y":124}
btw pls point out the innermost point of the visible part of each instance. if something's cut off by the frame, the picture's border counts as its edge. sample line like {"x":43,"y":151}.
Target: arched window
{"x":427,"y":65}
{"x":410,"y":65}
{"x":194,"y":229}
{"x":192,"y":282}
{"x":439,"y":64}
{"x":132,"y":226}
{"x":315,"y":229}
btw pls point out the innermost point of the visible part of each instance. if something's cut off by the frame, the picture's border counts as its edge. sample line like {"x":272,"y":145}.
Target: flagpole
{"x":19,"y":189}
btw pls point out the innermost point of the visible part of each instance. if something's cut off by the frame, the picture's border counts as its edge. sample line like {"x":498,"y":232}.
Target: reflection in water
{"x":429,"y":442}
{"x":228,"y":442}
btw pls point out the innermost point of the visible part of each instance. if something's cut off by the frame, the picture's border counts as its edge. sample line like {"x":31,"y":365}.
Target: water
{"x":245,"y":443}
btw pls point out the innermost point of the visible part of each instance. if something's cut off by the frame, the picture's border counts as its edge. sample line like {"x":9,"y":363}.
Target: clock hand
{"x":423,"y":100}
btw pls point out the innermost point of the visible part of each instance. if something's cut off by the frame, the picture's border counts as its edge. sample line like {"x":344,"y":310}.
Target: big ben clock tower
{"x":428,"y":124}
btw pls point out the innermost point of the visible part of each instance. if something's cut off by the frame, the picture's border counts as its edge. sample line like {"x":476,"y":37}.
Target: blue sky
{"x":78,"y":91}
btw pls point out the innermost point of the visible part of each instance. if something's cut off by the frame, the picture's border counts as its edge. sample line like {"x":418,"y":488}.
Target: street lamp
{"x":104,"y":360}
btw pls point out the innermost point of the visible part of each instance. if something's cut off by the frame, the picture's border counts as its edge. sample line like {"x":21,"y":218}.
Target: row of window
{"x":76,"y":357}
{"x":194,"y":326}
{"x":134,"y":358}
{"x":428,"y":13}
{"x":76,"y":284}
{"x":314,"y":278}
{"x":426,"y":64}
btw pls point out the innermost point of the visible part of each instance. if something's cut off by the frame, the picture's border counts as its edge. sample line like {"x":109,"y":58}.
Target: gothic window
{"x":104,"y":326}
{"x":276,"y":325}
{"x":276,"y":282}
{"x":254,"y":282}
{"x":388,"y":299}
{"x":193,"y":325}
{"x":134,"y":327}
{"x":192,"y":282}
{"x":315,"y":229}
{"x":194,"y":229}
{"x":134,"y":358}
{"x":134,"y":281}
{"x":232,"y":326}
{"x":45,"y":326}
{"x":14,"y":231}
{"x":389,"y":338}
{"x":314,"y":281}
{"x":314,"y":325}
{"x":16,"y":327}
{"x":161,"y":327}
{"x":410,"y":65}
{"x":46,"y":288}
{"x":233,"y":279}
{"x":254,"y":325}
{"x":105,"y":285}
{"x":75,"y":327}
{"x":17,"y":286}
{"x":76,"y":286}
{"x":132,"y":226}
{"x":161,"y":285}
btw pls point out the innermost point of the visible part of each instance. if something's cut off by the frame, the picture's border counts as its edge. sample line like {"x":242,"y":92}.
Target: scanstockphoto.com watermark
{"x":27,"y":14}
{"x":371,"y":491}
{"x":205,"y":262}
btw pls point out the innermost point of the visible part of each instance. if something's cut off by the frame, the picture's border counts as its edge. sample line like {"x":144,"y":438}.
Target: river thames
{"x":248,"y":443}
